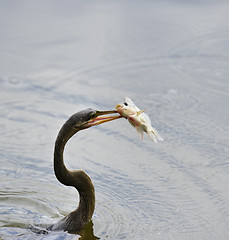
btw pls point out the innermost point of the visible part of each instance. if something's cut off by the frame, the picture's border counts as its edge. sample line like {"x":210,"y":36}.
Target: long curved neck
{"x":77,"y":178}
{"x":62,"y":173}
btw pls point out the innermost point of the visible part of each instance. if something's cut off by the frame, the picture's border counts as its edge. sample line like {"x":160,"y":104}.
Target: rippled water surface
{"x":172,"y":59}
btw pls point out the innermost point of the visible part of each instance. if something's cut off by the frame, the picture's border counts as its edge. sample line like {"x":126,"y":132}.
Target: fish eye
{"x":125,"y":104}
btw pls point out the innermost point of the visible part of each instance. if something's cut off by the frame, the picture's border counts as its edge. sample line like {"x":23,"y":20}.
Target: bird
{"x":77,"y":219}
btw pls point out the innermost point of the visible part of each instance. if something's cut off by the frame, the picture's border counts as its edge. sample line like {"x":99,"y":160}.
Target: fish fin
{"x":155,"y":133}
{"x":140,"y":132}
{"x":140,"y":112}
{"x":152,"y":136}
{"x":144,"y":118}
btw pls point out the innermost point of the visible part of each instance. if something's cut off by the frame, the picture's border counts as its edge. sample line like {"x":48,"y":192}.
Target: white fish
{"x":138,"y":119}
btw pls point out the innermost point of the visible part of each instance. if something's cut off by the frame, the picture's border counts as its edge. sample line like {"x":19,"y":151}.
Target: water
{"x":172,"y":59}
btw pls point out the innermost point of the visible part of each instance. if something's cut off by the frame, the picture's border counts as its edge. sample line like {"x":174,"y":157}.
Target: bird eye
{"x":93,"y":115}
{"x":125,"y":104}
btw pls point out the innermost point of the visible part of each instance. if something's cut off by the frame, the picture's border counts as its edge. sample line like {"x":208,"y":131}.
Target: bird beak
{"x":102,"y":117}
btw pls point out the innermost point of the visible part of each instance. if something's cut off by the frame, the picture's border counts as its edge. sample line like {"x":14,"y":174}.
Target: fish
{"x":138,"y":119}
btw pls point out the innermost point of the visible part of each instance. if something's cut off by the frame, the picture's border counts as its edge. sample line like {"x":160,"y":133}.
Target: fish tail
{"x":154,"y":135}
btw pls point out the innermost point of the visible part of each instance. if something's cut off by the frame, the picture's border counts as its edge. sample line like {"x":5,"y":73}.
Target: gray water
{"x":172,"y":59}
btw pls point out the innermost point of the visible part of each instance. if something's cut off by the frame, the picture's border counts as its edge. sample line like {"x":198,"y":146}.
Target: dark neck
{"x":78,"y":179}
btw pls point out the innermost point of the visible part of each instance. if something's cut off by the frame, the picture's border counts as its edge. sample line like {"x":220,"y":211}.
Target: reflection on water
{"x":172,"y":60}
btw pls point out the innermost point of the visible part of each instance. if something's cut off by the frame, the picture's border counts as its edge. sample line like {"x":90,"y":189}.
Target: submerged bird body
{"x":138,"y":119}
{"x":76,"y":220}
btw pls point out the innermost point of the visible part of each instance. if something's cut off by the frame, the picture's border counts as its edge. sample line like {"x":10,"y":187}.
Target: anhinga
{"x":77,"y":219}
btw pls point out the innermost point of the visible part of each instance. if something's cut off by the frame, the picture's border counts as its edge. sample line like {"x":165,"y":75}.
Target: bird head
{"x":91,"y":117}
